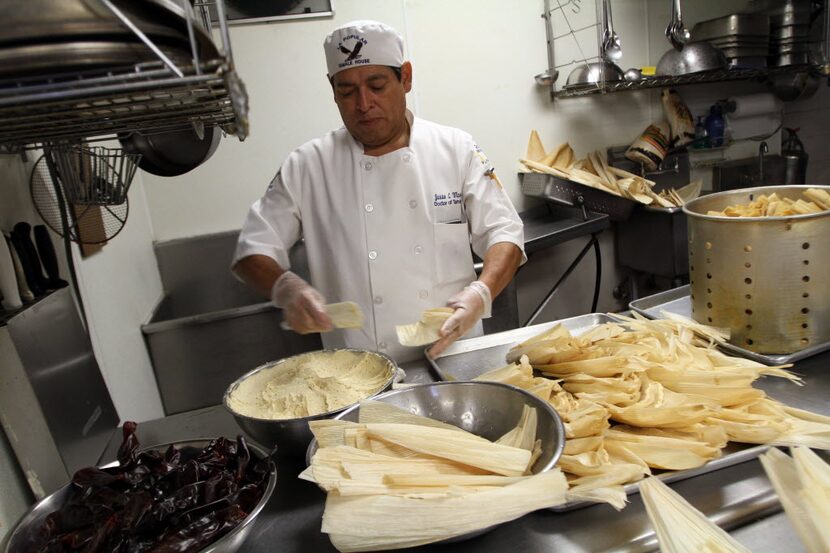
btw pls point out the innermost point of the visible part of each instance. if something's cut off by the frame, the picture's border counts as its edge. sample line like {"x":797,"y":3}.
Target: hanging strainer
{"x":95,"y":175}
{"x":81,"y":223}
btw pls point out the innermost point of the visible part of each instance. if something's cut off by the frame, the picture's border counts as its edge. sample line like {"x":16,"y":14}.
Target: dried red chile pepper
{"x":178,"y":500}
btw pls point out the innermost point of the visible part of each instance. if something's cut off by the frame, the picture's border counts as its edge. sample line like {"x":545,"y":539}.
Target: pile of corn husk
{"x":640,"y":395}
{"x":802,"y":483}
{"x":594,"y":171}
{"x":774,"y":205}
{"x":395,"y":479}
{"x":681,"y":528}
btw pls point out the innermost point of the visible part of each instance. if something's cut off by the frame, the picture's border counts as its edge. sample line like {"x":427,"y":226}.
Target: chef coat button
{"x":413,"y":204}
{"x":418,"y":249}
{"x":381,"y":345}
{"x":369,"y":208}
{"x":406,"y":158}
{"x":373,"y":254}
{"x":423,"y":294}
{"x":368,"y":165}
{"x":378,"y":300}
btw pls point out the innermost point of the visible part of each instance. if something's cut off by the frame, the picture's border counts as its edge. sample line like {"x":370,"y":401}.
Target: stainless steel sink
{"x":209,"y":329}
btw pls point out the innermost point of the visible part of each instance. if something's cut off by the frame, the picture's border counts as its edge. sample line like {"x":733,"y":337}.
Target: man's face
{"x":372,"y":102}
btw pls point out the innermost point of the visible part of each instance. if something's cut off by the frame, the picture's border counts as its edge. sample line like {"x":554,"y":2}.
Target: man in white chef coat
{"x":388,"y":206}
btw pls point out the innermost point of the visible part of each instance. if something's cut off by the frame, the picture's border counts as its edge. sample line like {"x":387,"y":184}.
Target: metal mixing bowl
{"x":591,"y":74}
{"x":22,"y":537}
{"x":292,"y":436}
{"x":695,"y":57}
{"x":487,"y":409}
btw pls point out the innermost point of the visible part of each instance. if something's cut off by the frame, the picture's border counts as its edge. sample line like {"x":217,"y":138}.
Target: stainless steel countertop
{"x":291,"y":520}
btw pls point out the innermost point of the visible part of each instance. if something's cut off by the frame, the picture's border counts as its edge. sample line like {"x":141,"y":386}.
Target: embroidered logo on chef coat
{"x":353,"y":55}
{"x":447,"y":198}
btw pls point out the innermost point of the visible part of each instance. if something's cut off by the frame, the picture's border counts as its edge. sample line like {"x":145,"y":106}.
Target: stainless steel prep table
{"x":291,"y":521}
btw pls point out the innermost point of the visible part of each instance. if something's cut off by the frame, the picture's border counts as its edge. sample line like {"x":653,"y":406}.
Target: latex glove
{"x":302,"y":304}
{"x":471,"y":304}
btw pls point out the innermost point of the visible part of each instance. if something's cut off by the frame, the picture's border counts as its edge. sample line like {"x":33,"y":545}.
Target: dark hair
{"x":395,"y":70}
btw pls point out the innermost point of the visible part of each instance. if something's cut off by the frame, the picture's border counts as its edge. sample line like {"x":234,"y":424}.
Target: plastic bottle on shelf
{"x":714,"y":126}
{"x":701,"y":136}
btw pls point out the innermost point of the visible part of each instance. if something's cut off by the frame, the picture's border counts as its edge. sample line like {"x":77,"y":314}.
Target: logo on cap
{"x":353,"y":54}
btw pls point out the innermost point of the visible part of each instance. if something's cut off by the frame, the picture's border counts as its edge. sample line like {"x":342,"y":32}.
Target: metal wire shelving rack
{"x":150,"y":97}
{"x":548,"y":77}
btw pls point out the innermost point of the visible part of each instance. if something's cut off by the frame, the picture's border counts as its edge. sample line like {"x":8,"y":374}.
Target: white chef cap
{"x":363,"y":43}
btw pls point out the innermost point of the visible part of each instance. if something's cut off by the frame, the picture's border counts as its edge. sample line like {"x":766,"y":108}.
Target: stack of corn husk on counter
{"x":642,"y":395}
{"x":594,"y":171}
{"x":395,"y":479}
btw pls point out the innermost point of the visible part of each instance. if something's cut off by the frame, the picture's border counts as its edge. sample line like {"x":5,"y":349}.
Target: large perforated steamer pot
{"x":767,"y":279}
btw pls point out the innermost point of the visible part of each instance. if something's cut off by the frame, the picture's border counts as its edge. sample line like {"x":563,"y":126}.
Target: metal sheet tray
{"x":467,"y":359}
{"x":566,"y":192}
{"x":678,"y":300}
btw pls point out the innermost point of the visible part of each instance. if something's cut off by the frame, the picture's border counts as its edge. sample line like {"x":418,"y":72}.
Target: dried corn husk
{"x":426,"y":330}
{"x":346,"y":314}
{"x":417,"y":491}
{"x":802,"y":486}
{"x":680,"y":527}
{"x":372,"y":411}
{"x":379,"y":522}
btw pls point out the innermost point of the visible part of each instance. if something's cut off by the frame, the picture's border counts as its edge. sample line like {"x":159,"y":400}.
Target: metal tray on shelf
{"x":571,"y":193}
{"x":467,"y":359}
{"x":678,"y":300}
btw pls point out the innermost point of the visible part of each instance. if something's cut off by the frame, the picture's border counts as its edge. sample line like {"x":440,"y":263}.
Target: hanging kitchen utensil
{"x":611,"y":48}
{"x":169,"y":154}
{"x":86,"y":224}
{"x":676,"y":32}
{"x":95,"y":175}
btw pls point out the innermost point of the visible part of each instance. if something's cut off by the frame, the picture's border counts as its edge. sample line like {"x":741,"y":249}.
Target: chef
{"x":388,"y":205}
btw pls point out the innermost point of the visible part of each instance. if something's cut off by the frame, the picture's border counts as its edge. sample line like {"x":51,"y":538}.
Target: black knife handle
{"x":46,"y":250}
{"x":23,"y":256}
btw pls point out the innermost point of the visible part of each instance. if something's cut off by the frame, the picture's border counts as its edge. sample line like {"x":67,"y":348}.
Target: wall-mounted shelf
{"x":548,"y":78}
{"x":664,"y":81}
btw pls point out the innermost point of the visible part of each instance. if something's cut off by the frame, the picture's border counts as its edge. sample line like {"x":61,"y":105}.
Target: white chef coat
{"x":391,"y":233}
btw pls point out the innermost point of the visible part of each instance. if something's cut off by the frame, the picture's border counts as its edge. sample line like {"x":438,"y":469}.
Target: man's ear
{"x":406,"y":76}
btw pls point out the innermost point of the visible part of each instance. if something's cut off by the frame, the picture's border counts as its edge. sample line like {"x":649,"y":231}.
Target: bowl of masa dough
{"x":274,"y":402}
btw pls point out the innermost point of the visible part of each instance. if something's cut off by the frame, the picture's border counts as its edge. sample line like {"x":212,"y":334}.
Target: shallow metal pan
{"x":467,"y":359}
{"x":679,"y":301}
{"x":730,"y":25}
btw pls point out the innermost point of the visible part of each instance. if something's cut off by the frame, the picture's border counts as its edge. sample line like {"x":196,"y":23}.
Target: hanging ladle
{"x":676,"y":32}
{"x":611,"y":49}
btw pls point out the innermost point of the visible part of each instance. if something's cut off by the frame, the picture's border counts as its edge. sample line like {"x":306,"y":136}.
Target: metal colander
{"x":764,"y":278}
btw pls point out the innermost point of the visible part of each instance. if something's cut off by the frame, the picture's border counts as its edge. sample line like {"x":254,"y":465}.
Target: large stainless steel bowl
{"x":695,"y":57}
{"x":591,"y":74}
{"x":487,"y":409}
{"x":764,"y":278}
{"x":292,"y":436}
{"x":23,"y":535}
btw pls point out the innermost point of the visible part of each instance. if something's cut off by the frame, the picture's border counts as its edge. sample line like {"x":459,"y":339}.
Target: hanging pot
{"x":170,"y":154}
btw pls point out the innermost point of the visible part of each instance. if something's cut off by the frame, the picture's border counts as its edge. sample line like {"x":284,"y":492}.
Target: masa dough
{"x":310,"y":384}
